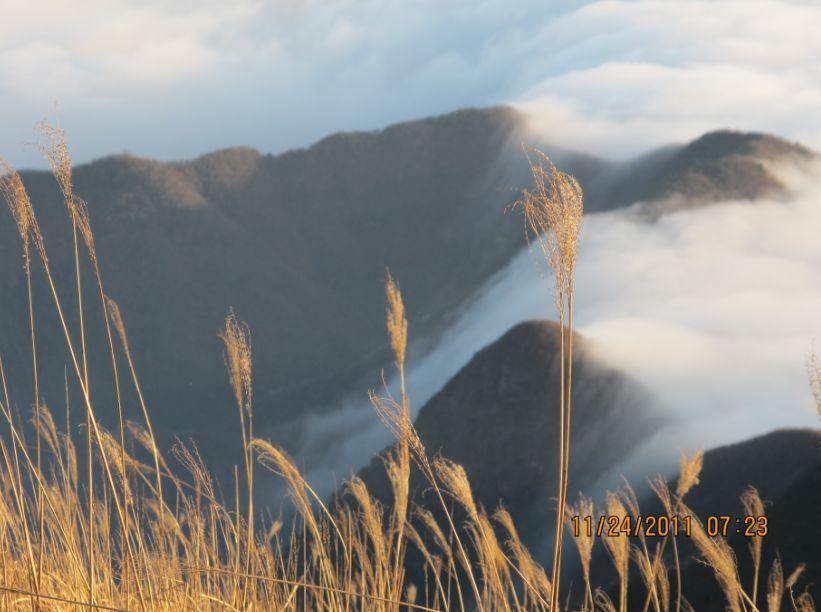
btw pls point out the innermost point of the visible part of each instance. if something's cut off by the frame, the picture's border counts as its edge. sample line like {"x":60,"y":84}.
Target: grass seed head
{"x":19,"y":203}
{"x":775,"y":587}
{"x":584,"y":542}
{"x":553,"y":216}
{"x":55,"y":150}
{"x":397,"y":322}
{"x":689,"y":471}
{"x":237,"y":340}
{"x":619,"y":545}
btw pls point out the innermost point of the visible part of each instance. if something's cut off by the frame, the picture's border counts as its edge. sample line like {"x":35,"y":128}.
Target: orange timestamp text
{"x":661,"y":525}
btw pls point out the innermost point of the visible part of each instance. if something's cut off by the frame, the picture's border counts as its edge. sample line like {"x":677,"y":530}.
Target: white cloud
{"x":667,"y":71}
{"x":174,"y":79}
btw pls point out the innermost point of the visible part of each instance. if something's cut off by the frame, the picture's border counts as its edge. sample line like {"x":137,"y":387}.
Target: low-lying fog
{"x":714,"y":309}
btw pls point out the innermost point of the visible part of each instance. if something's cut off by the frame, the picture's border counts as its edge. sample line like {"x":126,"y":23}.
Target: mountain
{"x":720,"y":165}
{"x":496,"y":418}
{"x":298,"y":244}
{"x":785,"y":467}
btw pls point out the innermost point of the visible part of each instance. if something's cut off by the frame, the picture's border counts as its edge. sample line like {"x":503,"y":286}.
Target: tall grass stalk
{"x":553,"y":214}
{"x":17,"y":200}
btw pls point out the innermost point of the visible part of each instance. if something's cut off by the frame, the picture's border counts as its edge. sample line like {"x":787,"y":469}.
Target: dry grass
{"x":128,"y":533}
{"x":553,"y":216}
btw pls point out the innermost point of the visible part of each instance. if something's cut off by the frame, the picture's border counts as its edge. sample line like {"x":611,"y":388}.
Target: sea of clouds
{"x":714,"y":309}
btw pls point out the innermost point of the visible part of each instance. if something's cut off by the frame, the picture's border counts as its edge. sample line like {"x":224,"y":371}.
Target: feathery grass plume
{"x":116,"y":319}
{"x":814,"y":373}
{"x":718,"y":555}
{"x":17,"y":199}
{"x":775,"y":586}
{"x":754,"y":507}
{"x":603,"y":601}
{"x":397,"y":323}
{"x":396,"y":418}
{"x":804,"y":603}
{"x":661,"y":488}
{"x":433,"y":563}
{"x":538,"y":590}
{"x":647,"y":570}
{"x":584,"y":542}
{"x":792,"y":580}
{"x":301,"y":493}
{"x":54,"y":148}
{"x":455,"y":482}
{"x":24,"y":214}
{"x":662,"y":580}
{"x":375,"y":556}
{"x":237,"y":340}
{"x":653,"y":572}
{"x":397,"y":464}
{"x":618,"y":546}
{"x":553,"y":215}
{"x":56,"y":152}
{"x":446,"y":547}
{"x":630,"y":499}
{"x":689,"y":471}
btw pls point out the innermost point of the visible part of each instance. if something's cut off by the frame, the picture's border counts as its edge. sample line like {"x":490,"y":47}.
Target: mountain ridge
{"x":298,"y":243}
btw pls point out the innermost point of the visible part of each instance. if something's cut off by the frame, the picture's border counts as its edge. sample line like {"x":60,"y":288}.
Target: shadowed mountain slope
{"x":720,"y":165}
{"x":298,"y":244}
{"x":785,"y":467}
{"x":496,"y":418}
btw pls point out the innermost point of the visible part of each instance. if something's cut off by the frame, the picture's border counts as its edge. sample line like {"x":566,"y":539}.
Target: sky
{"x":174,"y":79}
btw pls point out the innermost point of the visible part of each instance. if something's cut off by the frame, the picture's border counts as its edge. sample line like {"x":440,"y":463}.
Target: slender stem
{"x":126,"y":540}
{"x":554,"y":595}
{"x":17,"y":484}
{"x":678,"y":574}
{"x":566,"y":442}
{"x":40,"y":505}
{"x":756,"y":564}
{"x":404,"y":451}
{"x":89,"y":446}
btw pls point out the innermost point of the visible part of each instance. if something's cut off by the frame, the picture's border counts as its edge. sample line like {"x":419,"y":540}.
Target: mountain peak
{"x":721,"y":143}
{"x":476,"y":420}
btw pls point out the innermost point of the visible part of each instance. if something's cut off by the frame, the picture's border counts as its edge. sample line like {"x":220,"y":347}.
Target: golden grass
{"x":129,"y":533}
{"x":553,"y":216}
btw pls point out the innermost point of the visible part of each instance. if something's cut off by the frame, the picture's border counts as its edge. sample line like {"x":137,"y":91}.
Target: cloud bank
{"x":713,"y":309}
{"x":175,"y":79}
